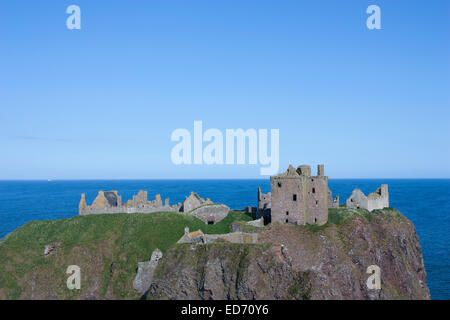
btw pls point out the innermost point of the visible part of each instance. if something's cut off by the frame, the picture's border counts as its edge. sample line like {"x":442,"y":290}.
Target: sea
{"x":426,"y":202}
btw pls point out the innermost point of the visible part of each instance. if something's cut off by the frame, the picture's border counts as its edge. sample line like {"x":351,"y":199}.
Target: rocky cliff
{"x":288,"y":262}
{"x":297,"y":262}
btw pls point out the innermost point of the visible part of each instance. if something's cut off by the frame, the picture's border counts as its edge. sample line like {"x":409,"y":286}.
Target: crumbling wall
{"x":194,"y":201}
{"x":264,"y":200}
{"x":110,"y":202}
{"x":357,"y":200}
{"x":210,"y":213}
{"x":233,"y":237}
{"x":332,"y":203}
{"x":376,"y":200}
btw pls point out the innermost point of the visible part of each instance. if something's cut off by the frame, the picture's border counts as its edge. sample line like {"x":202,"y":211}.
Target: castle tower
{"x":298,"y":197}
{"x":304,"y":170}
{"x":320,"y":170}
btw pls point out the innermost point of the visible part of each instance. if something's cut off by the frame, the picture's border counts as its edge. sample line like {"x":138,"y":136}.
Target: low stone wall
{"x":125,"y":209}
{"x":211,"y":213}
{"x":257,"y":223}
{"x":234,"y":237}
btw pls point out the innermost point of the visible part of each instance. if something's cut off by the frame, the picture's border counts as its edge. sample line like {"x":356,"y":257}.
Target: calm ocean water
{"x":426,"y":202}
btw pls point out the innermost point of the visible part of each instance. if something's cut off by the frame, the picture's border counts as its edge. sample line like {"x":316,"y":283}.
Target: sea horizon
{"x":200,"y":179}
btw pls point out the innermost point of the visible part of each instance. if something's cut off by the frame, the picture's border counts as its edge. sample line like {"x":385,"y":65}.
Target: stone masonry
{"x":111,"y":202}
{"x":108,"y":202}
{"x":298,"y":197}
{"x":198,"y":237}
{"x":375,"y":200}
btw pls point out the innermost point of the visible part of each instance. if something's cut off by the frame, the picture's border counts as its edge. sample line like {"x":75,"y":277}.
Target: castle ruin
{"x":297,"y":197}
{"x":109,"y":202}
{"x":375,"y":200}
{"x":198,"y":237}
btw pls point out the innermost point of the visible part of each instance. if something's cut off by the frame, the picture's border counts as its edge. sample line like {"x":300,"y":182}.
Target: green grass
{"x":341,"y":216}
{"x":126,"y":239}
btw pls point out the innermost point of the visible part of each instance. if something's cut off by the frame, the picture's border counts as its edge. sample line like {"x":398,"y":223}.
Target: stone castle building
{"x":297,"y":197}
{"x":375,"y":200}
{"x":108,"y":202}
{"x":111,"y":202}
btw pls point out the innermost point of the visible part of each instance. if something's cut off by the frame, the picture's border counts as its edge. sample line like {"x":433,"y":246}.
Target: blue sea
{"x":424,"y":201}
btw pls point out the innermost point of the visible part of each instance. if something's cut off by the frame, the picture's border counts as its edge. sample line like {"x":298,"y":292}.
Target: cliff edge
{"x":302,"y":262}
{"x":288,"y":262}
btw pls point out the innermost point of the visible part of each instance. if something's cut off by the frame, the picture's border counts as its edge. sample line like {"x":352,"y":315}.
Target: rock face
{"x":227,"y":271}
{"x":278,"y":261}
{"x":145,"y":272}
{"x":302,"y":262}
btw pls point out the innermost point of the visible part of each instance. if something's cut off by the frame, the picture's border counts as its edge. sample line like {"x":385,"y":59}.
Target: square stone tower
{"x":298,"y":197}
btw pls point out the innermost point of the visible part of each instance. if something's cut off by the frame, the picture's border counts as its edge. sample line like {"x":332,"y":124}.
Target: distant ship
{"x":49,"y":180}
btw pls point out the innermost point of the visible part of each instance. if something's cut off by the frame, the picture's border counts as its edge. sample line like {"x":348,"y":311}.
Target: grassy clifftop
{"x":107,"y":248}
{"x":302,"y":262}
{"x":290,"y":262}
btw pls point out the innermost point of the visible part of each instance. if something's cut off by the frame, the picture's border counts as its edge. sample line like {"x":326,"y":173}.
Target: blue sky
{"x":102,"y":102}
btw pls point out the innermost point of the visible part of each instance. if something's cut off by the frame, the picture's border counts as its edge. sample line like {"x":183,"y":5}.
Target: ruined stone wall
{"x":376,"y":200}
{"x":332,"y":203}
{"x":210,"y":213}
{"x":357,"y":200}
{"x":194,"y":201}
{"x":234,"y":237}
{"x":264,"y":200}
{"x":110,"y":202}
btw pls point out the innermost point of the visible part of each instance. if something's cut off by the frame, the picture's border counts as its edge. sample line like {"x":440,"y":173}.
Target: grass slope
{"x":106,"y":247}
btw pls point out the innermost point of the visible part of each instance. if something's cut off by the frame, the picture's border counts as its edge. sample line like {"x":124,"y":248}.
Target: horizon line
{"x":206,"y":179}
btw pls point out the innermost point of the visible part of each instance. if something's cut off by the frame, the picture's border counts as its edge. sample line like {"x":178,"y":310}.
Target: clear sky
{"x":102,"y":102}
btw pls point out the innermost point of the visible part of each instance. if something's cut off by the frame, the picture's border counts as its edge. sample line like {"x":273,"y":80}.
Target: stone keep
{"x":298,"y":197}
